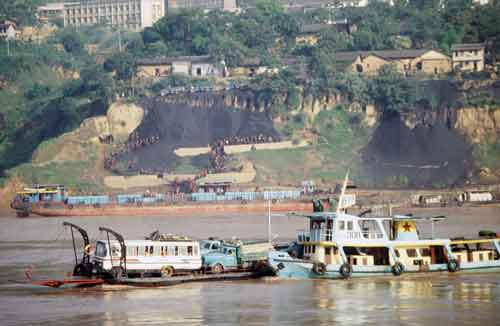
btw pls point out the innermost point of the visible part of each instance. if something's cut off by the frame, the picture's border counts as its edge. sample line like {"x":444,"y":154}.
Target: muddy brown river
{"x":437,"y":299}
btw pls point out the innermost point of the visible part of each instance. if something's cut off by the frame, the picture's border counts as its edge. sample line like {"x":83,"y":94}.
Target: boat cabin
{"x":42,"y":194}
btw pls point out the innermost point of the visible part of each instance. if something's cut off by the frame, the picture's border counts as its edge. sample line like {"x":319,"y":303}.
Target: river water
{"x":437,"y":299}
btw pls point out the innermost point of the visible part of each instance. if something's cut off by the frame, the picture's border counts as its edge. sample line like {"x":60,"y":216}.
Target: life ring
{"x":89,"y":249}
{"x":345,"y":270}
{"x":319,"y":268}
{"x":397,"y":269}
{"x":453,"y":265}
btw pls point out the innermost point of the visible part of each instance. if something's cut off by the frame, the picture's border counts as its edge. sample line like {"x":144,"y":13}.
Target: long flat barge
{"x":169,"y":281}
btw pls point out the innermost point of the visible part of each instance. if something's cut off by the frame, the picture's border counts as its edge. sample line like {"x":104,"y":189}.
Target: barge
{"x":53,"y":201}
{"x":159,"y":260}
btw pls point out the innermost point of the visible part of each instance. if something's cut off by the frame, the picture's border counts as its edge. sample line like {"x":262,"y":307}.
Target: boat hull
{"x":171,"y":209}
{"x":286,"y":266}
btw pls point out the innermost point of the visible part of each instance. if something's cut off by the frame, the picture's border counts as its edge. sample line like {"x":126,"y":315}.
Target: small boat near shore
{"x":344,"y":246}
{"x":340,"y":245}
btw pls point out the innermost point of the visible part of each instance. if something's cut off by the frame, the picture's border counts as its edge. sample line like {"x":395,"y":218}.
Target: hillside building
{"x":468,"y":57}
{"x":408,"y":62}
{"x":309,"y":34}
{"x":194,"y":66}
{"x":126,"y":14}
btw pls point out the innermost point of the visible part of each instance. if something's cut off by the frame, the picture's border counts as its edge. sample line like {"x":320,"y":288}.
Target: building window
{"x":359,"y":68}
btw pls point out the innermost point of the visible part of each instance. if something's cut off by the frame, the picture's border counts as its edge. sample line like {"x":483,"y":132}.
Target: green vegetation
{"x":48,"y":89}
{"x":341,"y":136}
{"x":488,"y":154}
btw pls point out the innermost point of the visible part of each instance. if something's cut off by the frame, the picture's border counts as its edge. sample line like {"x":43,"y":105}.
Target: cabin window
{"x":101,"y":250}
{"x":190,"y":250}
{"x":130,"y":251}
{"x":183,"y":251}
{"x":425,"y":252}
{"x":411,"y":253}
{"x":397,"y":253}
{"x":481,"y":257}
{"x":176,"y":251}
{"x":313,"y":249}
{"x":341,"y":225}
{"x":359,"y":68}
{"x":162,"y":251}
{"x":196,"y":251}
{"x":349,"y":225}
{"x":151,"y":251}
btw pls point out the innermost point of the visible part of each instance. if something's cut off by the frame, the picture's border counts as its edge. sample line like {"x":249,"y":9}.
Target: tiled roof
{"x":169,"y":60}
{"x":467,"y":46}
{"x":384,"y":54}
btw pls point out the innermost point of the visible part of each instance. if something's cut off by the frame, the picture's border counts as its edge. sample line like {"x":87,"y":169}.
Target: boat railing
{"x":303,"y":236}
{"x":315,"y":235}
{"x":372,"y":235}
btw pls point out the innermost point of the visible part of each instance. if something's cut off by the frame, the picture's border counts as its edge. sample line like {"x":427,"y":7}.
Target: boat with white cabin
{"x":341,"y":245}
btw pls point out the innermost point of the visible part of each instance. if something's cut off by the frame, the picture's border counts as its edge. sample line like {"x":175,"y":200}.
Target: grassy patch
{"x":341,"y":138}
{"x":488,"y":155}
{"x":185,"y":166}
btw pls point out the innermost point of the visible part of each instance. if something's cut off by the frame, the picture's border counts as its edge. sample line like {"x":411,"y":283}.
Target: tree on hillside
{"x":391,"y":91}
{"x":22,"y":11}
{"x":71,"y":41}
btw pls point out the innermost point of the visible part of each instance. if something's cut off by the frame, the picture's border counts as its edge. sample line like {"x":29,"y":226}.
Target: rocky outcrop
{"x":120,"y":121}
{"x":479,"y":125}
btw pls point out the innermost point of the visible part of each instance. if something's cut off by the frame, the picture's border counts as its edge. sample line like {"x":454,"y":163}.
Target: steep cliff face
{"x":436,"y":142}
{"x":479,"y":125}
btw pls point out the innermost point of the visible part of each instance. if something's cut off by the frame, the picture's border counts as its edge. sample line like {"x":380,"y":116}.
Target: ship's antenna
{"x":341,"y":198}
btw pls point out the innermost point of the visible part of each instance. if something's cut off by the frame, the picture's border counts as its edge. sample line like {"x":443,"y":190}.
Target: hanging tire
{"x":167,"y":271}
{"x":319,"y":268}
{"x":397,"y":269}
{"x":345,"y":270}
{"x":453,"y":265}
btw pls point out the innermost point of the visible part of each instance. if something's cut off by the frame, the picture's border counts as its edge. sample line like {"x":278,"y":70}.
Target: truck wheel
{"x":218,"y":269}
{"x":167,"y":271}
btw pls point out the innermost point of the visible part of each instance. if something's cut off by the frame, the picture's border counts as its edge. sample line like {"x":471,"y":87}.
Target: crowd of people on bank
{"x":217,"y":155}
{"x":245,"y":140}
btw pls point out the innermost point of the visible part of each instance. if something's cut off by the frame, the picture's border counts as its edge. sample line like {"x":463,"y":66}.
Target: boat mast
{"x":341,"y":198}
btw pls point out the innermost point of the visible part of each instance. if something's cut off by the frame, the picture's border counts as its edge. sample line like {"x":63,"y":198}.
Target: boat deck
{"x":168,"y":281}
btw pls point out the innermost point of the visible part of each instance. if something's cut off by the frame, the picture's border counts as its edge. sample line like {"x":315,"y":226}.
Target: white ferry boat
{"x":340,"y":245}
{"x":165,"y":256}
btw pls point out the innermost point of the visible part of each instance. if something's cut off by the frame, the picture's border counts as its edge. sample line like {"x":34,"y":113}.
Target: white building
{"x":128,"y":14}
{"x":468,"y":57}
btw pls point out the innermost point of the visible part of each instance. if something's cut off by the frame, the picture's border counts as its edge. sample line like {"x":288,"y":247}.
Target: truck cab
{"x":224,"y":259}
